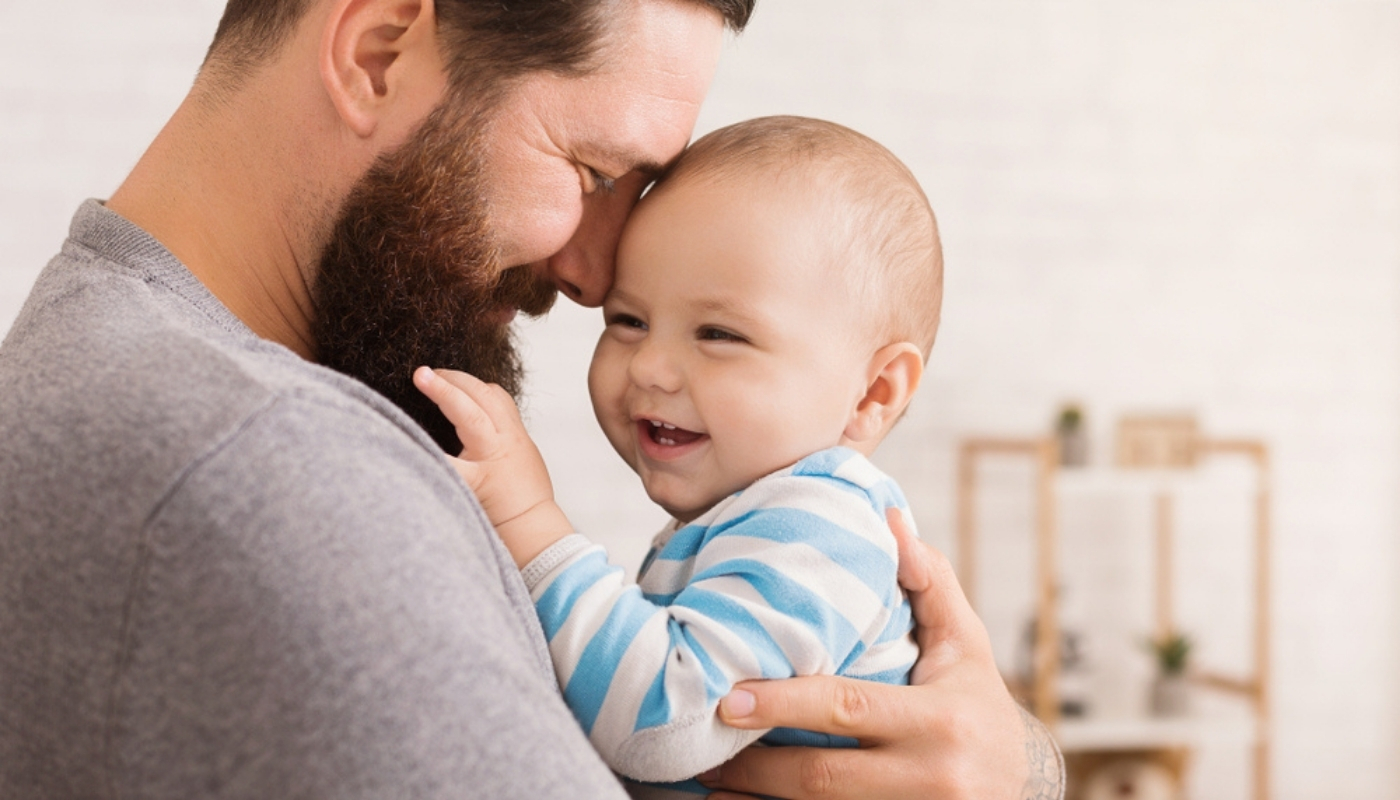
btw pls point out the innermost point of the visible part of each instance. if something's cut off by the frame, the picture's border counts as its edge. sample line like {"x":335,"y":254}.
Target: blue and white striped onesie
{"x":795,"y":575}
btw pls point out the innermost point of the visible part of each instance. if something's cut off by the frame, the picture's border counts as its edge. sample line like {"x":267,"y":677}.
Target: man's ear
{"x":377,"y":54}
{"x":894,"y":375}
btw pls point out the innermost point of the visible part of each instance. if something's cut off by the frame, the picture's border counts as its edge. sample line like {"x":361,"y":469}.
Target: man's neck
{"x":220,"y":188}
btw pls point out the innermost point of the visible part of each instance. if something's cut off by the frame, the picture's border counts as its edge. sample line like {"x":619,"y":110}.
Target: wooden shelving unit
{"x":1168,"y":741}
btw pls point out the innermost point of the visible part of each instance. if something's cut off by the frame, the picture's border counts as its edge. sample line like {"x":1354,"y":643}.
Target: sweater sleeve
{"x":801,"y":582}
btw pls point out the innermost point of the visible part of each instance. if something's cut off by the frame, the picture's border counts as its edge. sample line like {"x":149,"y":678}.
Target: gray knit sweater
{"x":227,"y":572}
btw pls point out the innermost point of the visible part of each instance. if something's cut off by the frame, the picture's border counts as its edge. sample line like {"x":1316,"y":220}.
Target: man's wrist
{"x":1045,"y":763}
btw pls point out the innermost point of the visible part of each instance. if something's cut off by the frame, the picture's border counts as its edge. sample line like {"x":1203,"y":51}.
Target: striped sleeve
{"x":798,"y":579}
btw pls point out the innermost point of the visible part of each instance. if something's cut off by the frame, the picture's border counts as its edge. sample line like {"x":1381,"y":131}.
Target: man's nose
{"x":583,"y":269}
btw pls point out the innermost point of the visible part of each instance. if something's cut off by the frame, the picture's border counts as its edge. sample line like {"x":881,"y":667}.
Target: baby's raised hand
{"x":499,"y":461}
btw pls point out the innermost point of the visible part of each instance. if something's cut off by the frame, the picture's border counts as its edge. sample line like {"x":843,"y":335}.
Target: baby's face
{"x":729,"y":350}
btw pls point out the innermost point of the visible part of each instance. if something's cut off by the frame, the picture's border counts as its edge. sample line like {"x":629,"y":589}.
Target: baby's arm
{"x":774,"y":592}
{"x":499,"y":461}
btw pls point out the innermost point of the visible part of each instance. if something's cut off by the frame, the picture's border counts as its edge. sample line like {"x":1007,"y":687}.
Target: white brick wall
{"x":1145,"y":205}
{"x":85,"y":86}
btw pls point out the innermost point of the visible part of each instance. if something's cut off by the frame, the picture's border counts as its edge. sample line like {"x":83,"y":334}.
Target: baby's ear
{"x":891,"y":380}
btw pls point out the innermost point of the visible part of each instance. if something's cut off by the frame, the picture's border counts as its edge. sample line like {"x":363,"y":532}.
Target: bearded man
{"x":233,"y":562}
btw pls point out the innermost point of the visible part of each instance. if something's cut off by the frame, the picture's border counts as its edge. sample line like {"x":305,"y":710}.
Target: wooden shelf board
{"x":1149,"y":733}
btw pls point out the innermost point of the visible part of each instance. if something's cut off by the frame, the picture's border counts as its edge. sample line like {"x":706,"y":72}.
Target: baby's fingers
{"x":495,"y":401}
{"x":474,"y":426}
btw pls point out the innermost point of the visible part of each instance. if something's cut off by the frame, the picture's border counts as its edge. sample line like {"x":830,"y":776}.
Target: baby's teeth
{"x":668,"y":426}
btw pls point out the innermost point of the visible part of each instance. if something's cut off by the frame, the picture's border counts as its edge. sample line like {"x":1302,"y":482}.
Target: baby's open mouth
{"x":666,"y":434}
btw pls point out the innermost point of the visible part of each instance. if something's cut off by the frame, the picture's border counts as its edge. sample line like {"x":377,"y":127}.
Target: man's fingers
{"x":808,"y":773}
{"x":865,"y":710}
{"x":947,"y":626}
{"x":913,"y":568}
{"x":474,"y":426}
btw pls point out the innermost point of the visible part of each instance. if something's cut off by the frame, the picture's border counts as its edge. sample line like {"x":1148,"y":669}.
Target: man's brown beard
{"x":411,"y":275}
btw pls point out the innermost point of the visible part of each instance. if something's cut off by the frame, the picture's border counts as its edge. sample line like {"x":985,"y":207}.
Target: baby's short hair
{"x":885,"y":235}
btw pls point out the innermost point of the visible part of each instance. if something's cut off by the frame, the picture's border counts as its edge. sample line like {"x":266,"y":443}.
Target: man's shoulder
{"x":318,"y":458}
{"x":113,"y":386}
{"x":132,"y":372}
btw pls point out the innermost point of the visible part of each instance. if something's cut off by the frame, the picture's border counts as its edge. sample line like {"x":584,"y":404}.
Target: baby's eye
{"x":626,"y":321}
{"x":709,"y":334}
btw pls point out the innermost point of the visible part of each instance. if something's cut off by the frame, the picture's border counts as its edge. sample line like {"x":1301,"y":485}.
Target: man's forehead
{"x":619,"y":128}
{"x":652,"y":76}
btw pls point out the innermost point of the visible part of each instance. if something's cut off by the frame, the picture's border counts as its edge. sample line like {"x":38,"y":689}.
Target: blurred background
{"x":1187,"y":208}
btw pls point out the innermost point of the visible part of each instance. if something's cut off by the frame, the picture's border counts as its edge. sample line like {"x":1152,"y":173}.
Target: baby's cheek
{"x":611,"y":413}
{"x":780,"y":441}
{"x":602,"y":388}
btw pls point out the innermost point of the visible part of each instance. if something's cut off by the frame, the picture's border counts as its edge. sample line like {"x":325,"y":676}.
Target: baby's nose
{"x":653,"y":368}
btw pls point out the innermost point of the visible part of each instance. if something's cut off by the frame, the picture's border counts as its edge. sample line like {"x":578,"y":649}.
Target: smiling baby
{"x":776,"y":297}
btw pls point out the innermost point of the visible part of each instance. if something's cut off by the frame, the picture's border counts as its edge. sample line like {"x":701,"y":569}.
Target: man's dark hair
{"x":486,"y":39}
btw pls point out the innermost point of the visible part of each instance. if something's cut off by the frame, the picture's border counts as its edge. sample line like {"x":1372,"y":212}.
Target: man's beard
{"x":411,"y":275}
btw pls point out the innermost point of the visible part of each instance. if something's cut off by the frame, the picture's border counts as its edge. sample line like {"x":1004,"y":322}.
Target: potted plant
{"x":1170,"y":689}
{"x":1073,"y":438}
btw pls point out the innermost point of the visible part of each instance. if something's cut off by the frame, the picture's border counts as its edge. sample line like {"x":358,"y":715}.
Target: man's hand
{"x":955,"y":734}
{"x":499,"y":461}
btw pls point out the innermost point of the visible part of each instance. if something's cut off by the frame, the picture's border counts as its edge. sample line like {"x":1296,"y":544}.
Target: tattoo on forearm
{"x":1046,"y":780}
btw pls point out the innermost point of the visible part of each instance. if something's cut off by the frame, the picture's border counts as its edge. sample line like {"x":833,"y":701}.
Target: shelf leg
{"x":1165,"y":535}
